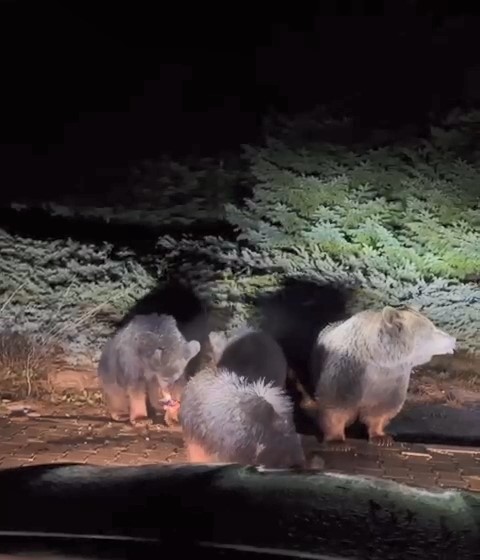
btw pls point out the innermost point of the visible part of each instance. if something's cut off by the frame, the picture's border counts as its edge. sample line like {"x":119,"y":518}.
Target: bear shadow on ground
{"x":294,"y":315}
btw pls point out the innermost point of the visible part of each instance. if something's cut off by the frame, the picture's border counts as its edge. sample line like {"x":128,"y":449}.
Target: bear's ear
{"x":192,"y":348}
{"x":218,"y":341}
{"x":392,"y":317}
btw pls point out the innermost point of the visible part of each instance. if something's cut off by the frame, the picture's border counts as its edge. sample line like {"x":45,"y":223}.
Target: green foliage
{"x":398,"y":223}
{"x":374,"y":211}
{"x":394,"y":224}
{"x":65,"y":291}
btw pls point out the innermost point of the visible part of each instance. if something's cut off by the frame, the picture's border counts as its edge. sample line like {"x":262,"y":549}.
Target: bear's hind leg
{"x":333,"y":422}
{"x":376,"y":424}
{"x":138,"y":406}
{"x":116,"y":399}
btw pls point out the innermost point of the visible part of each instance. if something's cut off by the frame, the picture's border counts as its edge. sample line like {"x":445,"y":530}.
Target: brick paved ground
{"x":89,"y":438}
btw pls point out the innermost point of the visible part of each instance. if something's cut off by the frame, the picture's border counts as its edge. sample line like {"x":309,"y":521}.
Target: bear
{"x":361,"y":368}
{"x":230,"y":418}
{"x":145,"y":358}
{"x":252,"y":354}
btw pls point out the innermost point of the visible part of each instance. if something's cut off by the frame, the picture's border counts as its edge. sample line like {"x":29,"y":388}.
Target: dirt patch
{"x":53,"y":408}
{"x":462,"y":364}
{"x":451,"y":380}
{"x":448,"y":380}
{"x":24,"y":362}
{"x":431,"y":388}
{"x":67,"y":379}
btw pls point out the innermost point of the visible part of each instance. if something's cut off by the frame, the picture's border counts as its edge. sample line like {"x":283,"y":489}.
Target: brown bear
{"x":237,"y":410}
{"x":144,"y":359}
{"x":361,"y":368}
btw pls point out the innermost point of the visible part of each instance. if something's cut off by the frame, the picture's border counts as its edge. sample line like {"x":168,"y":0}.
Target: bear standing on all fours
{"x":361,"y":368}
{"x":142,"y":360}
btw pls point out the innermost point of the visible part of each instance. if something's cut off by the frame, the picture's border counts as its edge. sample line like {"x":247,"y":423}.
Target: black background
{"x":93,"y":85}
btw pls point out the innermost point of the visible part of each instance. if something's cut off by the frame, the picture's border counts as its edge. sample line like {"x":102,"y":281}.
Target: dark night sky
{"x":92,"y":84}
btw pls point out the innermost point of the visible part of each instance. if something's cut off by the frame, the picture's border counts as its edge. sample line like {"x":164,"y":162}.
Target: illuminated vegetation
{"x":394,"y":223}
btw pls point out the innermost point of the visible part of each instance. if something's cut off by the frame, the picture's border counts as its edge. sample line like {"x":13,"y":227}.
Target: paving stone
{"x":404,"y":481}
{"x":12,"y":462}
{"x":10,"y":446}
{"x":25,"y":453}
{"x":443,"y":458}
{"x":468,"y":470}
{"x":182,"y":456}
{"x":395,"y":448}
{"x":161,"y":455}
{"x":362,"y":461}
{"x":11,"y":430}
{"x":468,"y":457}
{"x":463,"y":450}
{"x":135,"y":447}
{"x":444,"y":467}
{"x":120,"y":464}
{"x":38,"y":441}
{"x":417,"y":459}
{"x":473,"y":483}
{"x":420,"y":467}
{"x":34,"y":448}
{"x":452,"y":475}
{"x":55,"y":447}
{"x":378,"y":472}
{"x":46,"y":458}
{"x":106,"y":454}
{"x":396,"y":460}
{"x":424,"y":480}
{"x":77,"y":456}
{"x":458,"y":483}
{"x":42,"y":460}
{"x":338,"y":464}
{"x":397,"y":472}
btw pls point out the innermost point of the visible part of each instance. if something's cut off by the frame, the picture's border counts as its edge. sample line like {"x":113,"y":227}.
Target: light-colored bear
{"x":361,"y":368}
